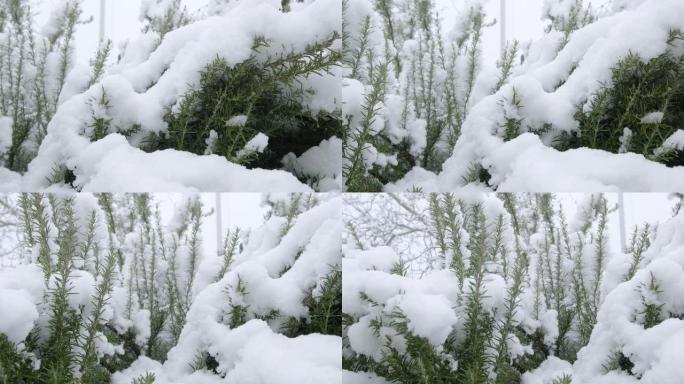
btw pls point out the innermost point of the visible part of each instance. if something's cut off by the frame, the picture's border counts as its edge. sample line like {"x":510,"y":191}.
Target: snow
{"x":211,"y":142}
{"x":154,"y":8}
{"x":625,"y":140}
{"x":675,"y":141}
{"x":379,"y":258}
{"x":21,"y":289}
{"x":5,"y":133}
{"x":237,"y":121}
{"x":112,"y":164}
{"x":548,"y":372}
{"x":432,"y":303}
{"x":620,"y":323}
{"x":141,"y":325}
{"x":305,"y":359}
{"x":363,"y":340}
{"x":82,"y":286}
{"x":323,"y":162}
{"x":19,"y":314}
{"x":653,"y":118}
{"x":434,"y":325}
{"x":437,"y":291}
{"x":257,"y":144}
{"x":549,"y":324}
{"x":526,"y":164}
{"x":243,"y":359}
{"x":361,"y":378}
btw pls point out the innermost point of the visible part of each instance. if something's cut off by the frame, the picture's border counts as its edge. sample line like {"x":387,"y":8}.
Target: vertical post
{"x":219,"y":225}
{"x":102,"y":20}
{"x":621,"y":207}
{"x":503,"y":26}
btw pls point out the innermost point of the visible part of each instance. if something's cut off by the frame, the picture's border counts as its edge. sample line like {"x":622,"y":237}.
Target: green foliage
{"x":325,"y":307}
{"x":15,"y":366}
{"x":204,"y":361}
{"x":264,"y":91}
{"x":127,"y":255}
{"x":507,"y":63}
{"x":639,"y":243}
{"x":652,"y":313}
{"x":637,"y":88}
{"x":147,"y":378}
{"x":479,"y":324}
{"x":512,"y":125}
{"x":357,"y":140}
{"x":618,"y":362}
{"x":565,"y":379}
{"x":99,"y":61}
{"x":238,"y":312}
{"x":64,"y":321}
{"x":100,"y":121}
{"x":230,"y":250}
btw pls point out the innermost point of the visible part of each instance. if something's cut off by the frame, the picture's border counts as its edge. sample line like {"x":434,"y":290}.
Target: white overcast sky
{"x":241,"y":210}
{"x":121,"y":22}
{"x":638,"y":208}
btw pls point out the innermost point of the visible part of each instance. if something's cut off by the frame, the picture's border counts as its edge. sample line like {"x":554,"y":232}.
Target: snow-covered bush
{"x":639,"y":328}
{"x":411,"y":77}
{"x":502,"y":284}
{"x":101,"y":285}
{"x":110,"y":292}
{"x":35,"y":67}
{"x":275,"y":316}
{"x":243,"y":84}
{"x":234,"y":104}
{"x":641,"y":110}
{"x":595,"y":99}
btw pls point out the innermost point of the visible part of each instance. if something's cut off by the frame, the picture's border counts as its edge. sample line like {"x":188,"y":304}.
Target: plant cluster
{"x":640,"y":109}
{"x":528,"y":285}
{"x":118,"y":284}
{"x":34,"y":66}
{"x":262,"y":95}
{"x":418,"y":82}
{"x":117,"y":249}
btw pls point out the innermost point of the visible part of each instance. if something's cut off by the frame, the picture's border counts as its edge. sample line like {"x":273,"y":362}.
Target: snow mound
{"x":305,"y":359}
